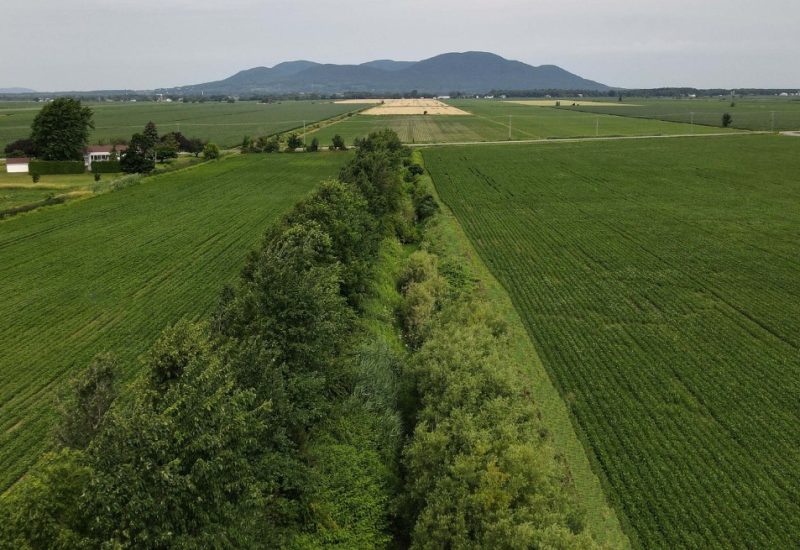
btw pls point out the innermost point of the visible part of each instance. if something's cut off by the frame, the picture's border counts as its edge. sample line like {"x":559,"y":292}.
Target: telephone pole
{"x":772,"y":124}
{"x":691,"y":121}
{"x":509,"y":127}
{"x":597,"y":127}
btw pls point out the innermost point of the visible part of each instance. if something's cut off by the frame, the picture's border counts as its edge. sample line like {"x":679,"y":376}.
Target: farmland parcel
{"x":660,"y":281}
{"x":111,"y":272}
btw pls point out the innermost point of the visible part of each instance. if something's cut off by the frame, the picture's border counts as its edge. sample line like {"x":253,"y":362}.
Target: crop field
{"x":748,"y":114}
{"x":111,"y":272}
{"x":223,"y":123}
{"x":660,"y":282}
{"x":18,"y":189}
{"x":490,"y":122}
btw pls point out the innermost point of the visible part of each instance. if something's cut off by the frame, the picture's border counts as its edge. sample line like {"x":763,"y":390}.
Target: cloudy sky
{"x":142,"y":44}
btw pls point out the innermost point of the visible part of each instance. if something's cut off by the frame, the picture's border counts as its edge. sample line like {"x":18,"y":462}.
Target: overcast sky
{"x":53,"y":45}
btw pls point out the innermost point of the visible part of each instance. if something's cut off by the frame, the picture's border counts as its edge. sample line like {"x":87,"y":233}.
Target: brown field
{"x":414,"y":107}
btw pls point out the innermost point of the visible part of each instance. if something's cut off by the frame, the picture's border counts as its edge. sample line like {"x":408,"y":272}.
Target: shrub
{"x":211,"y":151}
{"x":48,"y":167}
{"x":35,"y":177}
{"x":108,"y":167}
{"x":313,"y":147}
{"x":727,"y":120}
{"x":338,"y":143}
{"x":294,"y":142}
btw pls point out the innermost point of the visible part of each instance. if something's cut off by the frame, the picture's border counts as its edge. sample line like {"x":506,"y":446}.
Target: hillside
{"x":470,"y":72}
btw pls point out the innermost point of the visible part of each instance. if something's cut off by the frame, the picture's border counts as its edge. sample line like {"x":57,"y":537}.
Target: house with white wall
{"x":101,"y":153}
{"x":17,"y":165}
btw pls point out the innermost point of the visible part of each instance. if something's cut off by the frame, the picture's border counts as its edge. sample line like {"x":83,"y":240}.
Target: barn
{"x":17,"y":165}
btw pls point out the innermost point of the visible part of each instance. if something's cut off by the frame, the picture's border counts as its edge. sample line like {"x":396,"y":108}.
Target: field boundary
{"x":582,"y":139}
{"x":601,"y":517}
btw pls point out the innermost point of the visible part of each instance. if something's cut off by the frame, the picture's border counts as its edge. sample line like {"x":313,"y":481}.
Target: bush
{"x":50,"y":167}
{"x":107,"y":167}
{"x":338,"y":143}
{"x":35,"y":177}
{"x":211,"y":151}
{"x":727,"y":120}
{"x":294,"y":142}
{"x":313,"y":147}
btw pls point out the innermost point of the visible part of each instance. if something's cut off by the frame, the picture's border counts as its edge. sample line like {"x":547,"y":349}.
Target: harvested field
{"x":414,"y":107}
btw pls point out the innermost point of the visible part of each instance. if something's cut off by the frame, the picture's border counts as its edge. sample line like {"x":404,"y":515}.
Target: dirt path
{"x":793,"y":134}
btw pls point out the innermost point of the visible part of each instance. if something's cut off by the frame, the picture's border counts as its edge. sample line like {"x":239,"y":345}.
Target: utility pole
{"x":304,"y":133}
{"x":691,"y":121}
{"x":772,"y":126}
{"x":509,"y":127}
{"x":597,"y":127}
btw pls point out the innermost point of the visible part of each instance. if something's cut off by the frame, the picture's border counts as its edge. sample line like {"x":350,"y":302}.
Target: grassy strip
{"x":451,"y":242}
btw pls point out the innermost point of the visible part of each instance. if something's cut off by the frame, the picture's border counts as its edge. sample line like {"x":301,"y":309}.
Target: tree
{"x":211,"y":151}
{"x":313,"y":147}
{"x":338,"y":143}
{"x":61,"y":130}
{"x":92,"y":393}
{"x":195,"y":146}
{"x":24,"y":146}
{"x":137,"y":159}
{"x":727,"y":119}
{"x":150,"y":135}
{"x":167,"y":148}
{"x":294,"y":142}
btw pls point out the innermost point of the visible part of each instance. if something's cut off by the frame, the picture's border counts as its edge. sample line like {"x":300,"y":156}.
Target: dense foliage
{"x":281,"y":422}
{"x":61,"y":130}
{"x":49,"y":167}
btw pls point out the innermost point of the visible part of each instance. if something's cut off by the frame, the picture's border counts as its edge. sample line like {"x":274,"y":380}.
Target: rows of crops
{"x":660,"y":281}
{"x":748,"y":114}
{"x":498,"y":121}
{"x":110,"y":272}
{"x":223,"y":123}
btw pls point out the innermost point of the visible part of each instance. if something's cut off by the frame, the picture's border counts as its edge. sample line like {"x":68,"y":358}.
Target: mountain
{"x":388,"y":64}
{"x":17,"y":91}
{"x":469,"y":72}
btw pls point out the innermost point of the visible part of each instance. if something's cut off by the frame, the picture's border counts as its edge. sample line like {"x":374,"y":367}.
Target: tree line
{"x":343,"y":393}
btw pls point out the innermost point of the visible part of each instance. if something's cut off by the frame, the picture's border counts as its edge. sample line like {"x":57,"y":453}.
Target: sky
{"x":59,"y":45}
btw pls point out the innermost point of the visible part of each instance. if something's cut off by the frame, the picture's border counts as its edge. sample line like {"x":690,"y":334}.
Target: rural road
{"x":577,"y":140}
{"x":795,"y":134}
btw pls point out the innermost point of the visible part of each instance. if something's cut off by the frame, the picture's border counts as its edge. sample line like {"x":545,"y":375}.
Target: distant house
{"x":100,"y":153}
{"x":17,"y":165}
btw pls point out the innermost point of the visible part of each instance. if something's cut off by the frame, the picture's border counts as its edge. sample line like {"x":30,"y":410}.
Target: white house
{"x":100,"y":153}
{"x":17,"y":165}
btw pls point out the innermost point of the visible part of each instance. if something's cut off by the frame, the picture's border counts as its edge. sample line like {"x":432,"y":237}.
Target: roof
{"x":18,"y":160}
{"x":105,"y":148}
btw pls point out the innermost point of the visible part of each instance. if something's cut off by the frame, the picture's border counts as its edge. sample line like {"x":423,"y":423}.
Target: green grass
{"x":748,"y":114}
{"x":111,"y":272}
{"x":490,"y":122}
{"x":19,"y":189}
{"x":224,"y":123}
{"x":660,"y":283}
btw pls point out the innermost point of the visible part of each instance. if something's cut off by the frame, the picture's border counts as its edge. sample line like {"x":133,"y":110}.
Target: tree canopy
{"x":61,"y":130}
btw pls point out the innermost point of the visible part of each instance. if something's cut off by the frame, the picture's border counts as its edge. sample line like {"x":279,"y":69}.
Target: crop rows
{"x":661,"y":285}
{"x":747,"y":114}
{"x":223,"y":123}
{"x":111,"y":272}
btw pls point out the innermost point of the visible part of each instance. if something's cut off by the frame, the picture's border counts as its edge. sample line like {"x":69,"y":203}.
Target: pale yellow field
{"x":358,"y":101}
{"x":414,"y":107}
{"x":568,"y":102}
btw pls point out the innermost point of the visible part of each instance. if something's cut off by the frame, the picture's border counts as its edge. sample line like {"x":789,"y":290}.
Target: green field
{"x":18,"y":189}
{"x":748,"y":114}
{"x":111,"y":272}
{"x":660,"y":282}
{"x":223,"y":123}
{"x":490,"y":122}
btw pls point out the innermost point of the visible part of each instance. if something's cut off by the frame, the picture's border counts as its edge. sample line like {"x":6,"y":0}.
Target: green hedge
{"x":106,"y":167}
{"x":48,"y":167}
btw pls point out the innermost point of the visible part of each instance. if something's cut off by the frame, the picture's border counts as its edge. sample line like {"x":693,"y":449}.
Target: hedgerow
{"x":297,"y":416}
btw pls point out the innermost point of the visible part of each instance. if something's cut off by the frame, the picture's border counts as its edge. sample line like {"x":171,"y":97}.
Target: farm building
{"x":17,"y":165}
{"x":101,"y":153}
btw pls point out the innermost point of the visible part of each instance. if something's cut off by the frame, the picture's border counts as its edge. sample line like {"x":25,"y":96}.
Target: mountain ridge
{"x":466,"y":72}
